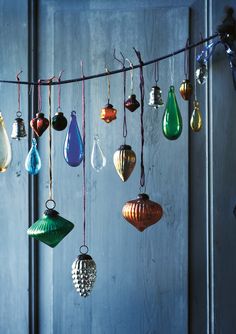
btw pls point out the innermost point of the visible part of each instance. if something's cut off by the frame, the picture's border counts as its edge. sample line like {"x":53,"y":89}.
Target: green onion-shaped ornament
{"x":51,"y":228}
{"x":172,"y":120}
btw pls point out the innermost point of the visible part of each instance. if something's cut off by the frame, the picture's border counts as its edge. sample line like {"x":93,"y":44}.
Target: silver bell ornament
{"x":155,"y":99}
{"x":84,"y":273}
{"x":18,"y":128}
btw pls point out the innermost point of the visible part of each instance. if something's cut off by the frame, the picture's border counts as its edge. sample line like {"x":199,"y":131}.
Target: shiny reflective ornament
{"x":155,"y":99}
{"x":73,"y":146}
{"x":5,"y":147}
{"x":142,"y":212}
{"x":108,"y":113}
{"x":172,"y":120}
{"x":51,"y":228}
{"x":84,"y":274}
{"x":18,"y":129}
{"x":33,"y":161}
{"x":59,"y":122}
{"x":196,"y":118}
{"x":39,"y":124}
{"x":186,"y":89}
{"x":131,"y":103}
{"x":201,"y":74}
{"x":124,"y":160}
{"x":98,"y":160}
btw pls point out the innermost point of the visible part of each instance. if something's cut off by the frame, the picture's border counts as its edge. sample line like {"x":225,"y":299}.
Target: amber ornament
{"x":186,"y":89}
{"x":124,"y":160}
{"x":108,"y":113}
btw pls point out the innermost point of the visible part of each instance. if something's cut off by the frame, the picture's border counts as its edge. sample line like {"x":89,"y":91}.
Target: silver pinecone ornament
{"x":84,"y":274}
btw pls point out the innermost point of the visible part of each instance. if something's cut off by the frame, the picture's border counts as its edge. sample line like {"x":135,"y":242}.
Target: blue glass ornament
{"x":73,"y":147}
{"x":33,"y":161}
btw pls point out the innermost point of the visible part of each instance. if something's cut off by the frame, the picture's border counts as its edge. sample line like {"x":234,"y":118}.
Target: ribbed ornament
{"x":124,"y":160}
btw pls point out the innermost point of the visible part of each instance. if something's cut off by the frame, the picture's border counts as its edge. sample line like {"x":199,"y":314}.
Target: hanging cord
{"x":131,"y":75}
{"x":141,"y":86}
{"x":156,"y":72}
{"x":50,"y":137}
{"x":59,"y":90}
{"x":186,"y":60}
{"x":108,"y":85}
{"x":39,"y":96}
{"x":172,"y":67}
{"x":84,"y":142}
{"x":18,"y":114}
{"x":195,"y":79}
{"x":122,"y":62}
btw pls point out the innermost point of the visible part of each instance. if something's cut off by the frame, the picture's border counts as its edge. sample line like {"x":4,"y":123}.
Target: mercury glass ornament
{"x":33,"y":161}
{"x":59,"y":122}
{"x":98,"y":160}
{"x":155,"y":99}
{"x":18,"y":129}
{"x":108,"y":113}
{"x":39,"y":124}
{"x":201,"y":74}
{"x":131,"y":103}
{"x":84,"y":274}
{"x":124,"y":161}
{"x":196,"y":118}
{"x":186,"y":89}
{"x":5,"y":147}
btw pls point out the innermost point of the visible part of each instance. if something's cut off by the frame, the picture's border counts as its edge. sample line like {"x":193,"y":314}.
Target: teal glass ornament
{"x":172,"y":120}
{"x":33,"y":161}
{"x":73,"y":146}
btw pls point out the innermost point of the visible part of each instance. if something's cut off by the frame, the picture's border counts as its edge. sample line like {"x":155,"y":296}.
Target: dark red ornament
{"x":132,"y":104}
{"x":39,"y":124}
{"x":142,"y":212}
{"x":59,"y":122}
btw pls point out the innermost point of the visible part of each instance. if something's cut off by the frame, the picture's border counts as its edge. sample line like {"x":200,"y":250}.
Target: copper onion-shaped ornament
{"x":186,"y":89}
{"x":39,"y":124}
{"x":108,"y":113}
{"x":142,"y":212}
{"x":124,"y":160}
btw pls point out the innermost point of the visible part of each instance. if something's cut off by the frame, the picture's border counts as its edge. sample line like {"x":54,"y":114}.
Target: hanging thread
{"x":50,"y":137}
{"x":156,"y":72}
{"x":39,"y":96}
{"x":195,"y":79}
{"x":59,"y":90}
{"x":18,"y":94}
{"x":108,"y":85}
{"x":84,"y":143}
{"x":172,"y":71}
{"x":186,"y":60}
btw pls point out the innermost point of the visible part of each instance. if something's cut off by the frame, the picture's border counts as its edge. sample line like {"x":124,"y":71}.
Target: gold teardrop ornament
{"x":196,"y":118}
{"x":124,"y":160}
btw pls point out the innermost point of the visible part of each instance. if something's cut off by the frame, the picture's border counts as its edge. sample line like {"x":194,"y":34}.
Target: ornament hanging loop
{"x":50,"y":204}
{"x":156,"y":72}
{"x":59,"y":90}
{"x":131,"y":75}
{"x":108,"y":85}
{"x":18,"y":92}
{"x":84,"y":249}
{"x":186,"y":59}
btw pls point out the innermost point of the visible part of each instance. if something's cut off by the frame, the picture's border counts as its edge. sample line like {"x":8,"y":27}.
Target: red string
{"x":84,"y":137}
{"x":18,"y":88}
{"x":39,"y":97}
{"x":59,"y":89}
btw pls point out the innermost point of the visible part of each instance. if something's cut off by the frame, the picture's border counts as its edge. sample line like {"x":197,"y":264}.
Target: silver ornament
{"x":155,"y":99}
{"x":18,"y":129}
{"x":201,"y":74}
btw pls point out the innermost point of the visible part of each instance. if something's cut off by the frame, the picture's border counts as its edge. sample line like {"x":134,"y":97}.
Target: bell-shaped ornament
{"x":18,"y":129}
{"x":51,"y":228}
{"x":155,"y":99}
{"x":5,"y":147}
{"x":131,"y":103}
{"x":196,"y":118}
{"x":186,"y":89}
{"x":201,"y":74}
{"x":172,"y":120}
{"x":98,"y":160}
{"x":39,"y":124}
{"x":124,"y":160}
{"x":33,"y":161}
{"x":108,"y":113}
{"x":73,"y":146}
{"x":84,"y":274}
{"x":59,"y":122}
{"x":142,"y":212}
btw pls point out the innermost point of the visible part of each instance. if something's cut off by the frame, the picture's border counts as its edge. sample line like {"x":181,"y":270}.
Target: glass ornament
{"x":39,"y":124}
{"x":18,"y":129}
{"x":33,"y":161}
{"x":196,"y":118}
{"x":186,"y":89}
{"x":5,"y":147}
{"x":124,"y":160}
{"x":201,"y":74}
{"x":59,"y":122}
{"x":155,"y":99}
{"x":172,"y":120}
{"x":84,"y":274}
{"x":98,"y":160}
{"x":73,"y":146}
{"x":142,"y":212}
{"x":131,"y":103}
{"x":108,"y":113}
{"x":51,"y":228}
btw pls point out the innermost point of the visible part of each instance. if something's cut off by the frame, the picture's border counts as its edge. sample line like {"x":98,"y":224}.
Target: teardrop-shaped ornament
{"x":132,"y":103}
{"x":124,"y":160}
{"x":33,"y":161}
{"x":172,"y":120}
{"x":196,"y":118}
{"x":5,"y":147}
{"x":73,"y":146}
{"x":98,"y":160}
{"x":186,"y":89}
{"x":39,"y":124}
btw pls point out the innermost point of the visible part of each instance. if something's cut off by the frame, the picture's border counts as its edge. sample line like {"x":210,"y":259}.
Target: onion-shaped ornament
{"x":186,"y":89}
{"x":39,"y":124}
{"x":84,"y":274}
{"x":124,"y":160}
{"x":131,"y":103}
{"x":18,"y":127}
{"x":142,"y":212}
{"x":59,"y":122}
{"x":108,"y":113}
{"x":51,"y":228}
{"x":155,"y":99}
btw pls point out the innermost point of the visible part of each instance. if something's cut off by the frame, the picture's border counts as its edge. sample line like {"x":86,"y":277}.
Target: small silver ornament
{"x":201,"y":74}
{"x":84,"y":274}
{"x":155,"y":99}
{"x":18,"y":129}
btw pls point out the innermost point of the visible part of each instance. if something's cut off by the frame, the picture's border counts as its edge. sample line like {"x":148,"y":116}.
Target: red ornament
{"x":142,"y":212}
{"x":132,"y":104}
{"x":39,"y":124}
{"x":108,"y":113}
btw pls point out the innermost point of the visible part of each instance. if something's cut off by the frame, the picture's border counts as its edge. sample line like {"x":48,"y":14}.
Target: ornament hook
{"x":52,"y":206}
{"x":85,"y":251}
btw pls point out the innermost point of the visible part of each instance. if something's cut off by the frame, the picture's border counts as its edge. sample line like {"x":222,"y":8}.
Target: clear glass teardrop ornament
{"x":98,"y":160}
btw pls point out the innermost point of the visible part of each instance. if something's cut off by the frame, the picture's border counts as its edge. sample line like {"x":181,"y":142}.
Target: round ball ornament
{"x":124,"y":160}
{"x":59,"y":122}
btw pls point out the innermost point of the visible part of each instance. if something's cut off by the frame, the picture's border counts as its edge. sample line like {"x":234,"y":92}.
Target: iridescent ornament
{"x":59,"y":122}
{"x":33,"y":161}
{"x":108,"y":113}
{"x":73,"y":146}
{"x":124,"y":160}
{"x":39,"y":124}
{"x":5,"y":147}
{"x":201,"y":74}
{"x":186,"y":89}
{"x":196,"y":118}
{"x":98,"y":160}
{"x":84,"y":274}
{"x":51,"y":228}
{"x":18,"y":129}
{"x":155,"y":99}
{"x":172,"y":120}
{"x":131,"y":103}
{"x":142,"y":212}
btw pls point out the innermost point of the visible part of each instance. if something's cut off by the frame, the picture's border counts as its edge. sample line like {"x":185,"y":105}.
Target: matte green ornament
{"x":172,"y":120}
{"x":51,"y":228}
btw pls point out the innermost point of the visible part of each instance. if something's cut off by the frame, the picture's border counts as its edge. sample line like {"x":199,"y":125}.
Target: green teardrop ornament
{"x":172,"y":120}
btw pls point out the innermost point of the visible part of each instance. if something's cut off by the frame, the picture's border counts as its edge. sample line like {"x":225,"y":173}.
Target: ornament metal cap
{"x":18,"y":129}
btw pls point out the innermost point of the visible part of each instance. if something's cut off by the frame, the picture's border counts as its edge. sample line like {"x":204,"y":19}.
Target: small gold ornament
{"x":196,"y":118}
{"x":124,"y":160}
{"x":186,"y":89}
